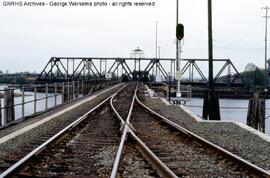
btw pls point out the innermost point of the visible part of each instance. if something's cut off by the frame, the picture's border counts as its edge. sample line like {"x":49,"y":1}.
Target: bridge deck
{"x":231,"y":136}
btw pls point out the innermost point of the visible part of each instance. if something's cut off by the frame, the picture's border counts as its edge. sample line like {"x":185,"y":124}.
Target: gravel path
{"x":22,"y":144}
{"x":227,"y":135}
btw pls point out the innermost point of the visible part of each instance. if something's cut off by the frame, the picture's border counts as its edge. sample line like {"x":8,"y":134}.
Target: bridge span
{"x":62,"y":69}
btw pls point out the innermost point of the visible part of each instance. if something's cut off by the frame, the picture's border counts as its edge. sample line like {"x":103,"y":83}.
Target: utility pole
{"x":177,"y":14}
{"x":210,"y":46}
{"x":157,"y":69}
{"x":178,"y":51}
{"x":159,"y":52}
{"x":266,"y":8}
{"x":156,"y":39}
{"x":211,"y":103}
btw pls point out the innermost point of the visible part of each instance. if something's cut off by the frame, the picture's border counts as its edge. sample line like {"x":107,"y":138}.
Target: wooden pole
{"x":68,"y":92}
{"x":55,"y":94}
{"x":46,"y":97}
{"x":35,"y":99}
{"x":22,"y":102}
{"x":9,"y":114}
{"x":73,"y":89}
{"x":78,"y":89}
{"x":82,"y":88}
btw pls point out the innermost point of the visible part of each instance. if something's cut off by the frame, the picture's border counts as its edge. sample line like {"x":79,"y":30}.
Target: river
{"x":29,"y":108}
{"x":231,"y":110}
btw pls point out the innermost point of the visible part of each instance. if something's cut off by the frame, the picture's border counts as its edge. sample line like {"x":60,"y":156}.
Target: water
{"x":230,"y":114}
{"x":29,"y":108}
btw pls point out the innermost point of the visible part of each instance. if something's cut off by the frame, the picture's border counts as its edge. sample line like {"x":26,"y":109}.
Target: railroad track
{"x":123,"y":100}
{"x":76,"y":149}
{"x":85,"y":148}
{"x":174,"y":151}
{"x":121,"y":137}
{"x":82,"y":151}
{"x":181,"y":153}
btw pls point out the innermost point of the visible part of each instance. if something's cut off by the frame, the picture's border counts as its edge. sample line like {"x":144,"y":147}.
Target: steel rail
{"x":117,"y":159}
{"x":132,"y":106}
{"x":114,"y":110}
{"x":240,"y":160}
{"x":162,"y":169}
{"x":157,"y":164}
{"x":15,"y":167}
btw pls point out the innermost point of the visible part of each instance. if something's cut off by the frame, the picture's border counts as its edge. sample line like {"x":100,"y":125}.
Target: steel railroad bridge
{"x":63,"y":69}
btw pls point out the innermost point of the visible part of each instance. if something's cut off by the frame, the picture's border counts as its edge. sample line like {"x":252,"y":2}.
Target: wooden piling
{"x":9,"y":113}
{"x":262,"y":115}
{"x":256,"y":113}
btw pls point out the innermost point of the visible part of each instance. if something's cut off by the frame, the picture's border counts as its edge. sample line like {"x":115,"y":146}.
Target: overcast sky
{"x":31,"y":35}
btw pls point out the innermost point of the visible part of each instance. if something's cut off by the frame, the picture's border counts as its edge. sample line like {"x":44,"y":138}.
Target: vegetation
{"x":17,"y":78}
{"x":254,"y":75}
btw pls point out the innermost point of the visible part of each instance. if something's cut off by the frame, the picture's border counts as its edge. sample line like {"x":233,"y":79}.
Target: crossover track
{"x":121,"y":137}
{"x":174,"y":151}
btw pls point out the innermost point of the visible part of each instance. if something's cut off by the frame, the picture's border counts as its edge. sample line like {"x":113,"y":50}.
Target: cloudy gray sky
{"x":31,"y":35}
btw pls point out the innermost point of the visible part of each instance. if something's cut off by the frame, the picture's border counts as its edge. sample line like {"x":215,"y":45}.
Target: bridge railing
{"x":186,"y":90}
{"x":18,"y":102}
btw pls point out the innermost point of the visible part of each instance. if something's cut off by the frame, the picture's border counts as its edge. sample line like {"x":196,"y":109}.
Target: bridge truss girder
{"x":84,"y":68}
{"x":191,"y":65}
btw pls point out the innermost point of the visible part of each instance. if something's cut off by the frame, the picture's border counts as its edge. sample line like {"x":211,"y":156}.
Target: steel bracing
{"x":60,"y":69}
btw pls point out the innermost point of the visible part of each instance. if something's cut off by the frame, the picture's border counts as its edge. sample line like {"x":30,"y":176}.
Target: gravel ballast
{"x":228,"y":135}
{"x":24,"y":143}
